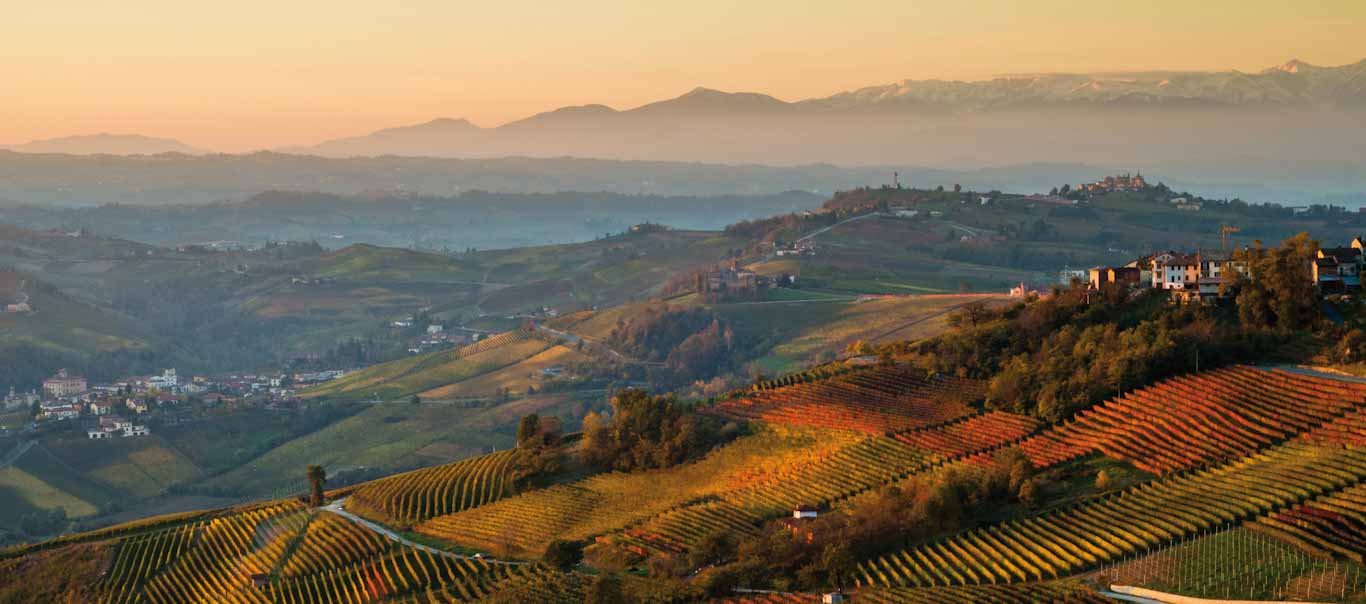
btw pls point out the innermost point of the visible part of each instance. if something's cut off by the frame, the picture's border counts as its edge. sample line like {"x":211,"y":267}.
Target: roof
{"x":1341,"y":254}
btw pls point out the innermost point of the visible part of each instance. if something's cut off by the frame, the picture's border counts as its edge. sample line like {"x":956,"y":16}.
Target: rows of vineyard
{"x":1238,"y":564}
{"x":777,"y":462}
{"x":1060,"y":543}
{"x":972,"y":434}
{"x":877,"y":401}
{"x":418,"y":495}
{"x":284,"y":552}
{"x":224,"y":552}
{"x":1195,"y":420}
{"x":403,"y":571}
{"x":821,"y":480}
{"x":330,"y":541}
{"x":1057,"y":592}
{"x":1331,"y":526}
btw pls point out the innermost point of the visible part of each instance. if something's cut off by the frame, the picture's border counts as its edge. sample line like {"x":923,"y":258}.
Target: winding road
{"x":336,"y":507}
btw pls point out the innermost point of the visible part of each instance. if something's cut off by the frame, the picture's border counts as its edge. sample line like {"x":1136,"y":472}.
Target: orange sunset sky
{"x":252,"y":74}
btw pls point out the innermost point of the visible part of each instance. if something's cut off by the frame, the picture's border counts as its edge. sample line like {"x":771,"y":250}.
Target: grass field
{"x":38,"y":480}
{"x":141,"y":467}
{"x":515,"y":378}
{"x":809,"y":332}
{"x":424,"y":373}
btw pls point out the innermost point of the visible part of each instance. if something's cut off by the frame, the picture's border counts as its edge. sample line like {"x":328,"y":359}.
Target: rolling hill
{"x":1039,"y":552}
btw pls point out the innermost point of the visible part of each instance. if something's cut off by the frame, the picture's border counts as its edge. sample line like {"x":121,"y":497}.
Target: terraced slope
{"x":1194,"y":420}
{"x":876,"y":401}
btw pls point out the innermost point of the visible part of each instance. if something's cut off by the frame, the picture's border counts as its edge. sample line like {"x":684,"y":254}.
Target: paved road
{"x":842,"y":222}
{"x":336,"y":508}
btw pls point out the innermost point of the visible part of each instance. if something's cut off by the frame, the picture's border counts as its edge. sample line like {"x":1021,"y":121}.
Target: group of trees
{"x":539,"y":454}
{"x":1055,"y":356}
{"x":692,"y":343}
{"x":1278,"y":290}
{"x":646,"y":431}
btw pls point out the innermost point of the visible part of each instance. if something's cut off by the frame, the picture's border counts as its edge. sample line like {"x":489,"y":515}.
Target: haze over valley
{"x":899,"y":303}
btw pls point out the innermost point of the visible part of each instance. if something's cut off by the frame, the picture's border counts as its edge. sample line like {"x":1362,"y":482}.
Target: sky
{"x":252,"y":74}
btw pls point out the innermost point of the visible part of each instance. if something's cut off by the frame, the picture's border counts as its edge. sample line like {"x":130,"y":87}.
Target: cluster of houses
{"x":1111,"y":184}
{"x":434,"y":336}
{"x":1195,"y":277}
{"x":66,"y":396}
{"x":1338,"y":269}
{"x":803,"y":247}
{"x":733,"y":281}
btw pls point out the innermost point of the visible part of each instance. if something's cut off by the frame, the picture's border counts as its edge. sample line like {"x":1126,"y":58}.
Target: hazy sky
{"x":250,"y":74}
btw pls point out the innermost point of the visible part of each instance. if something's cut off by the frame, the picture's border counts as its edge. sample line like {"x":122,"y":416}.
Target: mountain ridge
{"x":716,"y":125}
{"x":105,"y":143}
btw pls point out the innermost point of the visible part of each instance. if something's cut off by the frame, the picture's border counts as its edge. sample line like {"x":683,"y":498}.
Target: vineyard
{"x":283,"y":552}
{"x":418,"y":495}
{"x":1331,"y":526}
{"x":1058,"y":592}
{"x":608,"y":502}
{"x":970,"y":435}
{"x":1195,"y":420}
{"x":876,"y":401}
{"x":1152,"y":515}
{"x":1238,"y":563}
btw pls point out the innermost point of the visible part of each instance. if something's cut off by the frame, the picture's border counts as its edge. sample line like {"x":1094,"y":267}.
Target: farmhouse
{"x":805,"y":511}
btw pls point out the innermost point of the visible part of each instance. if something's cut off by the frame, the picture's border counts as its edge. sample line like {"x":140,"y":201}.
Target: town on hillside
{"x":103,"y":407}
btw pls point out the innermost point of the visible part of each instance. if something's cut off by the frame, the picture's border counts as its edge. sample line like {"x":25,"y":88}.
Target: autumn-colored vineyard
{"x":1032,"y":593}
{"x":877,"y":401}
{"x":284,"y":552}
{"x":1060,"y":543}
{"x":972,"y":434}
{"x":1195,"y":420}
{"x":421,"y":494}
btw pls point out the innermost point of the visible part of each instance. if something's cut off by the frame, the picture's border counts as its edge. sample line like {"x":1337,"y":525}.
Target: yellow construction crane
{"x":1224,"y":231}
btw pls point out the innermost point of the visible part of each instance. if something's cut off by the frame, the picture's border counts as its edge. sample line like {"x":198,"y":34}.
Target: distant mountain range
{"x":704,"y":115}
{"x":105,"y":144}
{"x":1292,"y":133}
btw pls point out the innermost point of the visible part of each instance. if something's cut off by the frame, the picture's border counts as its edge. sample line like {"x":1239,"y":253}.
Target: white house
{"x":805,"y":511}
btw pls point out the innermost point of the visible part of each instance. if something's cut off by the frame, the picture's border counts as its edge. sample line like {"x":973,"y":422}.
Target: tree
{"x":317,"y":477}
{"x":957,"y":188}
{"x":837,"y":559}
{"x":529,"y":427}
{"x":562,"y":554}
{"x":415,"y":399}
